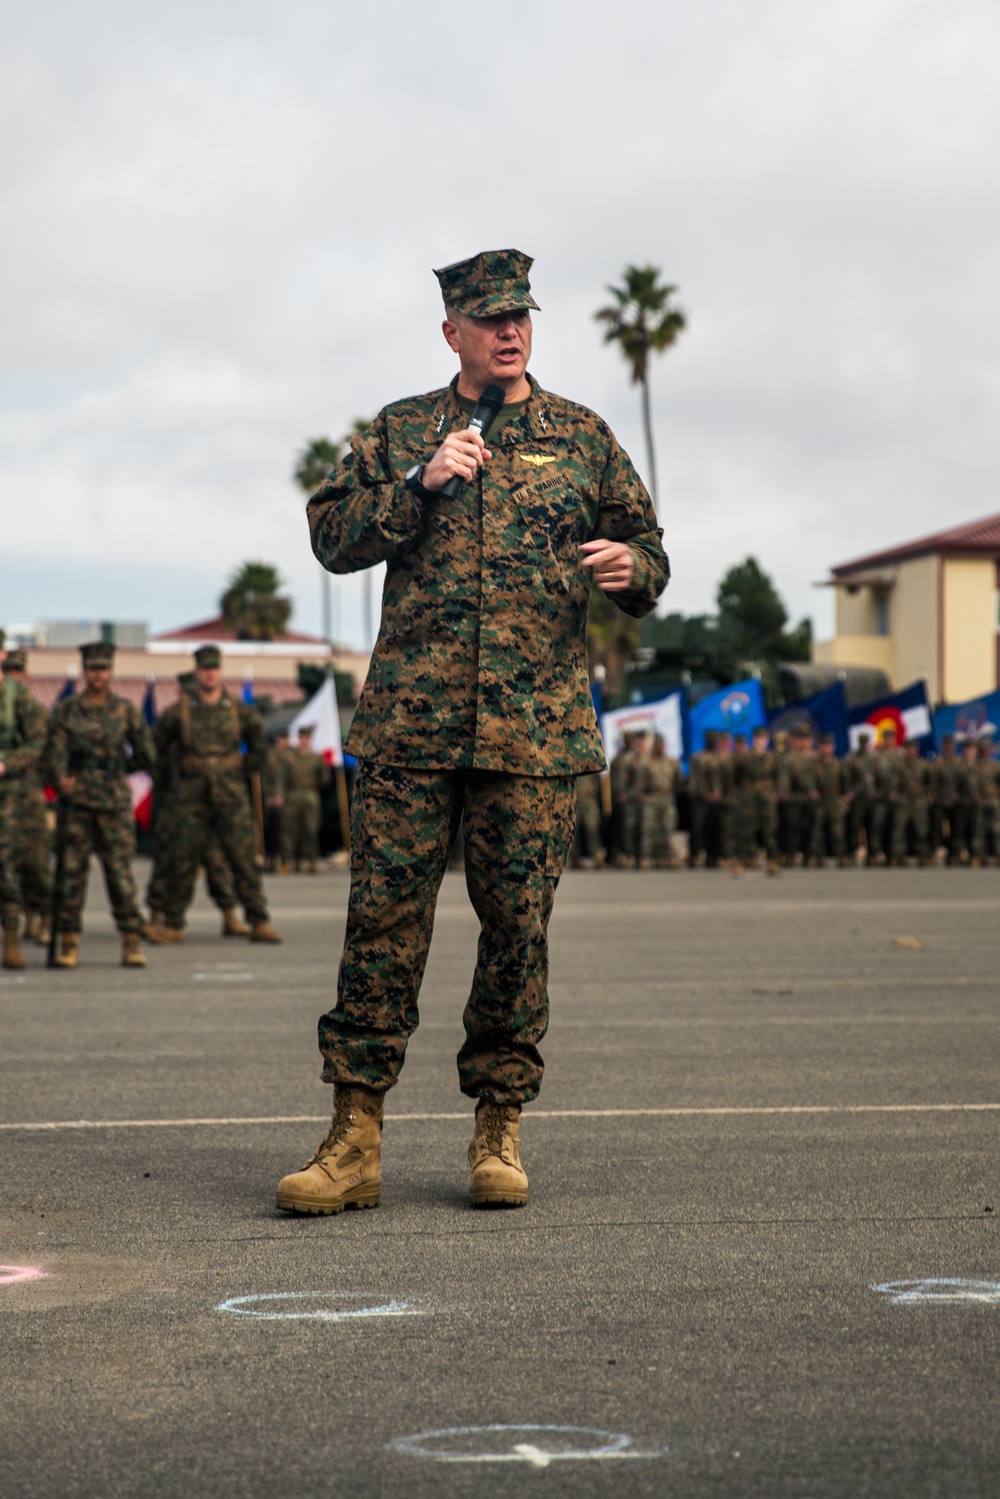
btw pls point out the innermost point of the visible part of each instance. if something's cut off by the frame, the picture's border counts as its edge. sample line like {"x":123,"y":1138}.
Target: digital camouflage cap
{"x":491,"y":282}
{"x":16,"y":660}
{"x":208,"y":655}
{"x":98,"y":653}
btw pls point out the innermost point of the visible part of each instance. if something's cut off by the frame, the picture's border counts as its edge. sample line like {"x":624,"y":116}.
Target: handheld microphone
{"x":488,"y":408}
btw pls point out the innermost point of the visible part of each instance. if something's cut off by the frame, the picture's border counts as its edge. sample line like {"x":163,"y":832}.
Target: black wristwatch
{"x":414,"y":483}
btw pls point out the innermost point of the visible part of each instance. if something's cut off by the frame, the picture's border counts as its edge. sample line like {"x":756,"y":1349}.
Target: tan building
{"x":928,"y":608}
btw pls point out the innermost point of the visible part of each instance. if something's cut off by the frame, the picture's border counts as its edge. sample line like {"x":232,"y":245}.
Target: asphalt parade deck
{"x":761,"y":1255}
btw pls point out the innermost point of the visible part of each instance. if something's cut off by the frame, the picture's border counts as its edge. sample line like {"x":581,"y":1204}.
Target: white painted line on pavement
{"x":721,"y":1111}
{"x":938,"y":1290}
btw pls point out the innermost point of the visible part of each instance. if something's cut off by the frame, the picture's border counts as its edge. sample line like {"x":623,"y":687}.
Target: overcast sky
{"x":219,"y":222}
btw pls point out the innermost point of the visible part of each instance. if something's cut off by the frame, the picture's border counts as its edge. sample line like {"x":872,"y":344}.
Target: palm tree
{"x":252,"y":605}
{"x":642,"y":318}
{"x":316,"y":462}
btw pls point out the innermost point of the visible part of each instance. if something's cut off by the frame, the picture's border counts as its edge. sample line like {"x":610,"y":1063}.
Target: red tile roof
{"x":217,"y":629}
{"x":977,"y":538}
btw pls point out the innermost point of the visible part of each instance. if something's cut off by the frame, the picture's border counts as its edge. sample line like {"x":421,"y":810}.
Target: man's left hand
{"x":613,"y":563}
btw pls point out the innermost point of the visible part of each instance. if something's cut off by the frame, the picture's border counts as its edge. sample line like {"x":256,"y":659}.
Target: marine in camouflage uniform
{"x":711,"y":786}
{"x":96,"y":739}
{"x":588,"y":843}
{"x":36,"y":842}
{"x":885,"y":795}
{"x":859,"y":785}
{"x":756,"y":805}
{"x":911,"y":818}
{"x":477,"y":702}
{"x":302,"y":775}
{"x":218,"y":875}
{"x":945,"y":784}
{"x":201,"y":734}
{"x":986,"y":820}
{"x":624,"y":822}
{"x":798,"y":794}
{"x":22,"y":739}
{"x":659,"y":777}
{"x":830,"y":807}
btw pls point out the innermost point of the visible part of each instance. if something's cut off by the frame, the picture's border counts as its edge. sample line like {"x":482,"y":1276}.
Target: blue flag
{"x":67,"y":690}
{"x":979,"y":718}
{"x":738,"y":709}
{"x":248,"y":690}
{"x":149,"y":704}
{"x":906,"y":712}
{"x":825,"y":713}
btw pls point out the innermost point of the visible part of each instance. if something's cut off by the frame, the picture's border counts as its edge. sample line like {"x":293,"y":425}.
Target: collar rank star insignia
{"x":537,"y":458}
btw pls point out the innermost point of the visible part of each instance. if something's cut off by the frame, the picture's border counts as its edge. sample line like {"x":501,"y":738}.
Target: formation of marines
{"x":202,"y":755}
{"x":793,"y":803}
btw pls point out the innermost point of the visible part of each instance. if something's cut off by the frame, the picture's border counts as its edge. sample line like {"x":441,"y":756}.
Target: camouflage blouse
{"x":481,"y":659}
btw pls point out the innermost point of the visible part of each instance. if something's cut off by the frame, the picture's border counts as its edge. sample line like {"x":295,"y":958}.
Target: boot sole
{"x":316,"y":1209}
{"x":497,"y":1200}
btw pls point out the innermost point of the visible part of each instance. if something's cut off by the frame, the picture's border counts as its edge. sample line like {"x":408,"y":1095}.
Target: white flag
{"x":321,"y":712}
{"x":662,"y":717}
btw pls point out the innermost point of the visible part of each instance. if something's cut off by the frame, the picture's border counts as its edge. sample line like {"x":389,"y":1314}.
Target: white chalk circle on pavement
{"x":536,"y":1445}
{"x":940,"y":1291}
{"x":320,"y":1306}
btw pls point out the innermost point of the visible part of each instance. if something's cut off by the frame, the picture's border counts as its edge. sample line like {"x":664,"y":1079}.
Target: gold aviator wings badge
{"x":537,"y":458}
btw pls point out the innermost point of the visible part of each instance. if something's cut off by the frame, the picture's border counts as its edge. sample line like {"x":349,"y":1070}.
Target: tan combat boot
{"x":157,"y":931}
{"x":69,"y":951}
{"x":263,"y":931}
{"x":232,"y":926}
{"x":497,"y":1178}
{"x":13,"y":957}
{"x":346,"y":1170}
{"x":155,"y":920}
{"x":132,"y":953}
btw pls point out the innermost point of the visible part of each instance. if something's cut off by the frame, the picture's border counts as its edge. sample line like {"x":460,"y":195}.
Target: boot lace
{"x":492,"y":1130}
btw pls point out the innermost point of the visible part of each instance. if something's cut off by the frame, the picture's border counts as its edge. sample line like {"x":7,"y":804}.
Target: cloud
{"x":220,"y":221}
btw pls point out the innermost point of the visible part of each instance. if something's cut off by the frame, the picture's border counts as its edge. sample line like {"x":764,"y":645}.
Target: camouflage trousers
{"x":518,"y":833}
{"x":985,"y":840}
{"x":588,"y":827}
{"x":911,"y":820}
{"x":111,"y":836}
{"x":218,"y":875}
{"x":828,"y":828}
{"x":755,"y":825}
{"x":36,"y":849}
{"x":881,"y":818}
{"x":658,"y":824}
{"x":212,"y":809}
{"x":11,"y":845}
{"x":300,"y":826}
{"x":798,"y":821}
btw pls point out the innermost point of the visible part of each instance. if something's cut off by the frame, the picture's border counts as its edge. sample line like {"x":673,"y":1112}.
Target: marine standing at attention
{"x":95,"y":740}
{"x":201,"y":734}
{"x":477,"y":705}
{"x":22,"y":739}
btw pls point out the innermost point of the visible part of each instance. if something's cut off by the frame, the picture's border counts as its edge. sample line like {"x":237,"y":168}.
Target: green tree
{"x":642,"y":318}
{"x":317,"y":460}
{"x":612,"y":641}
{"x":252,"y":605}
{"x":753,"y":618}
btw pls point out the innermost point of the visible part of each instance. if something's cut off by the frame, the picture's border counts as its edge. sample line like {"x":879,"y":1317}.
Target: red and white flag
{"x":321,"y":712}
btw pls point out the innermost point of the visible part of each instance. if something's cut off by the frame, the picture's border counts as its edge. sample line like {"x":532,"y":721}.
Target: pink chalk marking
{"x":11,"y":1273}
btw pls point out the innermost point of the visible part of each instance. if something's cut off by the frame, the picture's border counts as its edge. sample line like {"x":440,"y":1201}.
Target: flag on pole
{"x":906,"y":712}
{"x":979,"y":718}
{"x":67,"y":690}
{"x":149,"y":703}
{"x":664,"y":717}
{"x":321,"y":712}
{"x":248,"y":689}
{"x":738,"y":709}
{"x":825,"y":713}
